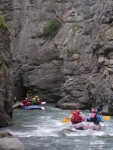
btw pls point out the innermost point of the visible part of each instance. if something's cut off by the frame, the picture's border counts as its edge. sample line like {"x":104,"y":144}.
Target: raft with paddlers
{"x":79,"y":122}
{"x":27,"y":102}
{"x":20,"y":104}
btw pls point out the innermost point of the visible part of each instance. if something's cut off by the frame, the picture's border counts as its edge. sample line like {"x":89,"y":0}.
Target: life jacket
{"x":76,"y":118}
{"x":94,"y":118}
{"x":36,"y":98}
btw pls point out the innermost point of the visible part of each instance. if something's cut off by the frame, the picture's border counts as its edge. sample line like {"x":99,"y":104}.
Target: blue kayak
{"x":33,"y":107}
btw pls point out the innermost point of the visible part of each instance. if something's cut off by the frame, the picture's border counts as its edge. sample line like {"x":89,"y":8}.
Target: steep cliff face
{"x":5,"y":76}
{"x":75,"y":66}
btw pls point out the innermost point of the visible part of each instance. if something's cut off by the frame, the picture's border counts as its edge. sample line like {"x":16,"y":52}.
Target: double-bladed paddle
{"x":67,"y":119}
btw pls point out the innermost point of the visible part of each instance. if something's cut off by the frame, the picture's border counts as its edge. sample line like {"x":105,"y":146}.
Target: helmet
{"x":92,"y":110}
{"x":78,"y":111}
{"x":74,"y":113}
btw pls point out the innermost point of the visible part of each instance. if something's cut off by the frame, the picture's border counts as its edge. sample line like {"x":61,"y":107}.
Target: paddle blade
{"x":67,"y":119}
{"x":106,"y":117}
{"x":72,"y":112}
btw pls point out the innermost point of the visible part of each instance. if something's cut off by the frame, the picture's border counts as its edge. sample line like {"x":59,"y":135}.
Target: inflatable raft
{"x":20,"y":104}
{"x":33,"y":107}
{"x":86,"y":125}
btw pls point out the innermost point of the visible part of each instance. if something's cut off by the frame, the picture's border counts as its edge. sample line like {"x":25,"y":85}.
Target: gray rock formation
{"x":8,"y":142}
{"x":76,"y":66}
{"x":5,"y":76}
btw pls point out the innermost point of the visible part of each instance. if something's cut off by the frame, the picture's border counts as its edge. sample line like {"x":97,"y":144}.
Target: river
{"x":43,"y":130}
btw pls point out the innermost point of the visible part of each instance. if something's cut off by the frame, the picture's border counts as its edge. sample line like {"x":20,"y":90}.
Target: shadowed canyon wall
{"x":73,"y":68}
{"x":5,"y":75}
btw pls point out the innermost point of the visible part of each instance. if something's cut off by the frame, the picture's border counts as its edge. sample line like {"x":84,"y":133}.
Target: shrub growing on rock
{"x":3,"y":24}
{"x":52,"y":27}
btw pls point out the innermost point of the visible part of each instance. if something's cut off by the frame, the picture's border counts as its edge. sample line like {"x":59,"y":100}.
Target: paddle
{"x":106,"y":117}
{"x":71,"y":112}
{"x":67,"y":119}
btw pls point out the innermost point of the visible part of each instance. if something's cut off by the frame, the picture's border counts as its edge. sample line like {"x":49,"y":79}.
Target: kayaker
{"x":77,"y":117}
{"x":94,"y":117}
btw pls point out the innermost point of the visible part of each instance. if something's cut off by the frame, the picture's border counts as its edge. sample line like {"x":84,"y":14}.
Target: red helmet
{"x":74,"y":113}
{"x":92,"y":110}
{"x":78,"y":111}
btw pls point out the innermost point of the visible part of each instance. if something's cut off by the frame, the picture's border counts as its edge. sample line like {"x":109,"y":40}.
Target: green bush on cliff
{"x":3,"y":24}
{"x":52,"y":27}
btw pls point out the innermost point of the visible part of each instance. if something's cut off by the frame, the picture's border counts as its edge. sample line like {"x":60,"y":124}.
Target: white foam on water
{"x":98,"y":133}
{"x":111,"y":134}
{"x":20,"y":134}
{"x":31,"y":125}
{"x":36,"y":133}
{"x":54,"y":127}
{"x":72,"y":134}
{"x":44,"y":133}
{"x":96,"y":142}
{"x":103,"y":124}
{"x":85,"y":133}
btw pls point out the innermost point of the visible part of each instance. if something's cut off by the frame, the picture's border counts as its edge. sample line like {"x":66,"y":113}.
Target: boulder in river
{"x":9,"y":142}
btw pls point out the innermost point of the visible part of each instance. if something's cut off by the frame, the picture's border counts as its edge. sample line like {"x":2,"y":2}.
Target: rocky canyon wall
{"x":73,"y":68}
{"x":5,"y":75}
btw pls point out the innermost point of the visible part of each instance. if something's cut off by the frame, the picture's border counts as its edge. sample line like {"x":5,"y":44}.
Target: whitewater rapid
{"x":44,"y":129}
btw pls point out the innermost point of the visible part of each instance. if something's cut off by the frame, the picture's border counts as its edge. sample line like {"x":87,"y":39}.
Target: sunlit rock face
{"x":75,"y":67}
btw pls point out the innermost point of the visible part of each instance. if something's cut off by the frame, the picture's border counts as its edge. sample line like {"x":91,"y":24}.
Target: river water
{"x":43,"y":130}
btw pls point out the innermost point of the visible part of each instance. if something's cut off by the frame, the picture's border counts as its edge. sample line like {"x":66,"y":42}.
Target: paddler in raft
{"x":95,"y":118}
{"x":36,"y":100}
{"x":26,"y":102}
{"x":77,"y":120}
